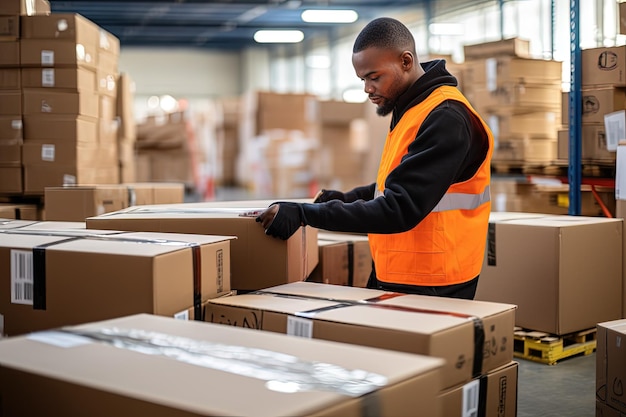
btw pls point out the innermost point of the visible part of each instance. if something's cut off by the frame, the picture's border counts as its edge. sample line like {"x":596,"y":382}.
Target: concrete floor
{"x":566,"y":389}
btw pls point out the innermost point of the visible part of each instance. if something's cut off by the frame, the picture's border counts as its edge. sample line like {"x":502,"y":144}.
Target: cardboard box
{"x":10,"y":54}
{"x":494,"y":72}
{"x":519,"y":98}
{"x":71,"y":27}
{"x":78,"y":79}
{"x":148,"y":193}
{"x":10,"y":79}
{"x":78,"y":203}
{"x":19,"y":211}
{"x":38,"y":177}
{"x":508,"y":47}
{"x":54,"y":52}
{"x":75,"y":276}
{"x":97,"y":377}
{"x":490,"y":395}
{"x":551,"y":265}
{"x":11,"y":127}
{"x":259,"y":260}
{"x":77,"y":129}
{"x":611,"y":364}
{"x":10,"y":151}
{"x":11,"y":179}
{"x":604,"y":66}
{"x":350,"y":259}
{"x":54,"y":102}
{"x":25,"y":7}
{"x":10,"y":102}
{"x":9,"y":28}
{"x":594,"y":144}
{"x":433,"y":326}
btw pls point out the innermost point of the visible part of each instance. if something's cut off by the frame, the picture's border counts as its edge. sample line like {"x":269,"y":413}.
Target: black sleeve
{"x":433,"y":162}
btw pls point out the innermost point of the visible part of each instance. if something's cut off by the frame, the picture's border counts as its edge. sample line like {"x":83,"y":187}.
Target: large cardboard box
{"x":474,"y":337}
{"x":10,"y":151}
{"x":11,"y":179}
{"x":10,"y":78}
{"x":10,"y":54}
{"x":494,"y":72}
{"x":11,"y":127}
{"x":506,"y":47}
{"x":550,"y":266}
{"x":193,"y":369}
{"x":259,"y":260}
{"x":55,"y":278}
{"x":490,"y":395}
{"x":69,"y":128}
{"x":10,"y":102}
{"x":55,"y":52}
{"x":604,"y":66}
{"x":611,"y":364}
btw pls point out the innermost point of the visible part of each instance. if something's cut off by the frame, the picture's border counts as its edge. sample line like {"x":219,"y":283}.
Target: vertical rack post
{"x":575,"y":111}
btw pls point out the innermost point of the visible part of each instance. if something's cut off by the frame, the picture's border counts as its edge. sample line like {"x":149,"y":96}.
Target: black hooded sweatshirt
{"x":449,"y":147}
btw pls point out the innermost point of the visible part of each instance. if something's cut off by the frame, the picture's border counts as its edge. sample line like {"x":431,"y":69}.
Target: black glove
{"x":327,"y":195}
{"x":287,"y":220}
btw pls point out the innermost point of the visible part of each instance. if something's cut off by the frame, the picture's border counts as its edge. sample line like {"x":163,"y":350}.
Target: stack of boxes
{"x":519,"y":97}
{"x":127,"y":129}
{"x":68,"y":102}
{"x":11,"y":123}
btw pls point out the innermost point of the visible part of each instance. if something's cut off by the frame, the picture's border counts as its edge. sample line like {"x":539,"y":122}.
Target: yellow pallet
{"x":547,"y":348}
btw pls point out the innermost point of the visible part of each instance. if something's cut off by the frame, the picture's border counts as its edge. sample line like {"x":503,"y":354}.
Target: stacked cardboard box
{"x":519,"y":97}
{"x":158,"y":366}
{"x":610,"y":368}
{"x":127,"y":130}
{"x":344,"y":259}
{"x":550,"y":265}
{"x":603,"y":92}
{"x":475,"y":338}
{"x":164,"y":151}
{"x":11,"y":124}
{"x":57,"y":276}
{"x":228,"y":140}
{"x":76,"y":203}
{"x":69,"y":75}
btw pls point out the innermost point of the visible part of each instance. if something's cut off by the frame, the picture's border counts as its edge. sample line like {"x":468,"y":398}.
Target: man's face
{"x":383,"y":75}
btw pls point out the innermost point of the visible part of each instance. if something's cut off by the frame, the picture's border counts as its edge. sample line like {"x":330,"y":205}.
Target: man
{"x":428,"y":211}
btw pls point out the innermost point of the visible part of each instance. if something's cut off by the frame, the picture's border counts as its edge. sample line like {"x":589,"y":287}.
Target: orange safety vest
{"x":447,"y":246}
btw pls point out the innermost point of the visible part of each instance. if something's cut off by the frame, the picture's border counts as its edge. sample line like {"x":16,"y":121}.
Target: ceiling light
{"x":329,"y":16}
{"x":278,"y":36}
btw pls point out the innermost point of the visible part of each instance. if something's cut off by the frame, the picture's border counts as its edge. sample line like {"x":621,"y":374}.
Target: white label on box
{"x":47,"y":153}
{"x":615,"y":128}
{"x":471,"y":397}
{"x":60,"y":339}
{"x":620,"y":173}
{"x":47,"y":77}
{"x":16,"y":124}
{"x":45,"y":107}
{"x":47,"y":58}
{"x":298,"y":326}
{"x":21,"y":277}
{"x":69,"y":179}
{"x":182,"y":315}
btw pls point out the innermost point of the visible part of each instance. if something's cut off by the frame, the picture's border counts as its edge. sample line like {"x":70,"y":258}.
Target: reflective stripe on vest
{"x":462,"y":201}
{"x":457,"y":201}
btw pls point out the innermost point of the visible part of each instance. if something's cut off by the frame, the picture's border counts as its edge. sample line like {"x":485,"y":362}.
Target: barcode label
{"x":471,"y":395}
{"x":21,"y":277}
{"x":47,"y":58}
{"x":182,"y":315}
{"x":297,"y":326}
{"x":219,"y":260}
{"x":47,"y":77}
{"x":47,"y":153}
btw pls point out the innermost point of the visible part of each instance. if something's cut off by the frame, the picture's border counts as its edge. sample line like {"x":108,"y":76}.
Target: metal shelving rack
{"x":575,"y":112}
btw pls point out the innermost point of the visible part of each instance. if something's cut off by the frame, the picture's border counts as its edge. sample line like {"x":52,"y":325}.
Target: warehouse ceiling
{"x":222,"y":24}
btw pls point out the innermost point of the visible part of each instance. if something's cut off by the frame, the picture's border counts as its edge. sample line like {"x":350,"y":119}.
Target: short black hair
{"x":386,"y":33}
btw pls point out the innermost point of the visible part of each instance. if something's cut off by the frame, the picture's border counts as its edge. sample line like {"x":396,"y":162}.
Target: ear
{"x":407,"y":60}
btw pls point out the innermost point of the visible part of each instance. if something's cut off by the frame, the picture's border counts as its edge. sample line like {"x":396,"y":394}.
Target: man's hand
{"x":282,"y":219}
{"x":327,"y":195}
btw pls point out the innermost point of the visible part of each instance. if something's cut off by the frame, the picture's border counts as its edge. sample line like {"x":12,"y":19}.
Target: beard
{"x":386,"y":107}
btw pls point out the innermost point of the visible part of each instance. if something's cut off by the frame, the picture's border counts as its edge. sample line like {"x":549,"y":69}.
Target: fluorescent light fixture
{"x":278,"y":36}
{"x":449,"y":29}
{"x":354,"y":95}
{"x":329,"y":16}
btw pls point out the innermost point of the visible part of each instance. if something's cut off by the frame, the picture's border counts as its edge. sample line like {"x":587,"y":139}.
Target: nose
{"x":368,"y":88}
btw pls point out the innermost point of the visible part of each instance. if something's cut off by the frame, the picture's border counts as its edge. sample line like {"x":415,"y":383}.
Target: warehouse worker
{"x":428,"y":211}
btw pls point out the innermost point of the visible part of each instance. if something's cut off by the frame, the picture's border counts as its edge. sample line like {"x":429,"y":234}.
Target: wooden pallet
{"x":550,"y":349}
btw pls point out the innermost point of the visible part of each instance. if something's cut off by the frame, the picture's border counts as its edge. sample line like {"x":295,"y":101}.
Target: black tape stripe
{"x":39,"y":272}
{"x":491,"y":244}
{"x":197,"y":282}
{"x":351,"y":264}
{"x":482,"y":396}
{"x":479,"y":344}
